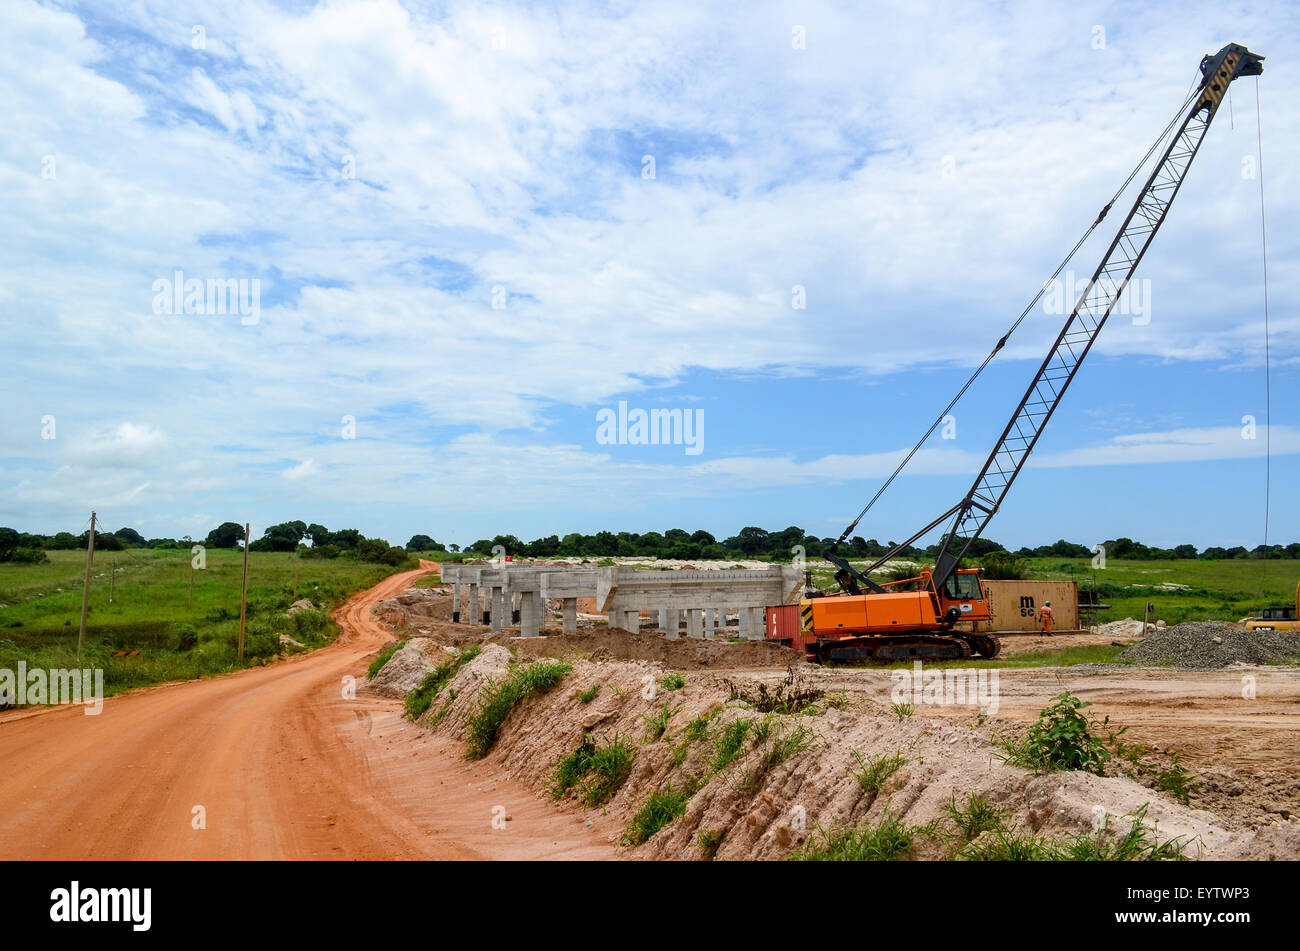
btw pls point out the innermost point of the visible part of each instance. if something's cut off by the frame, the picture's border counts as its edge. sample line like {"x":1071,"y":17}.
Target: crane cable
{"x":1268,"y":394}
{"x":1028,"y":307}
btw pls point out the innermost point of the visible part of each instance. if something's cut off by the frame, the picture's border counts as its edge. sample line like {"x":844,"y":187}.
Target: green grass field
{"x":151,"y":611}
{"x":1193,"y":589}
{"x":1210,"y":590}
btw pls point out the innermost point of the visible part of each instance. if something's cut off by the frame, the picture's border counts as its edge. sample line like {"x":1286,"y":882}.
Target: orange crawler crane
{"x":871,"y":621}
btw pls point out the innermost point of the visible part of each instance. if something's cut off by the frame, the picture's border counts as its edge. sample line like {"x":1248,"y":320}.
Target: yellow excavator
{"x":1278,"y":617}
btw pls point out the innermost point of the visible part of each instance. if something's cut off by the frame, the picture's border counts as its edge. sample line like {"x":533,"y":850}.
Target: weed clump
{"x":419,"y":699}
{"x":661,"y":808}
{"x":498,"y":700}
{"x":730,"y":743}
{"x":888,"y":840}
{"x":791,"y":695}
{"x":872,"y":772}
{"x":597,"y":770}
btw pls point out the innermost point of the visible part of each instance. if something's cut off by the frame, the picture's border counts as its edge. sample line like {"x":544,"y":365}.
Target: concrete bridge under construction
{"x":701,"y":601}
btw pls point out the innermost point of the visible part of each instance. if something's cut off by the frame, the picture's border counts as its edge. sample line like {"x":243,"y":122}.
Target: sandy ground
{"x":283,"y":765}
{"x":1243,"y":751}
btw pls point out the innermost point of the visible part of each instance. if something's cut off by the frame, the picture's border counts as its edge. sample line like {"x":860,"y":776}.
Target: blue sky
{"x":460,"y":250}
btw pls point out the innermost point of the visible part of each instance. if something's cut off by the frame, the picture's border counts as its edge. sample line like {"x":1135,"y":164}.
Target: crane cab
{"x":962,"y":598}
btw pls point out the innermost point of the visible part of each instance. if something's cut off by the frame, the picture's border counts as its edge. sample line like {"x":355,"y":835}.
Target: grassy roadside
{"x":150,"y":611}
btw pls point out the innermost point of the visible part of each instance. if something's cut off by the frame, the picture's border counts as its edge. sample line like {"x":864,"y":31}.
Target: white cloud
{"x":124,"y":446}
{"x":303,"y":470}
{"x":521,"y":166}
{"x":1179,"y":445}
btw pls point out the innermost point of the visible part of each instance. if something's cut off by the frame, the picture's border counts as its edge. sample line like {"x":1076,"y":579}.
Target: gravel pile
{"x":1191,"y":646}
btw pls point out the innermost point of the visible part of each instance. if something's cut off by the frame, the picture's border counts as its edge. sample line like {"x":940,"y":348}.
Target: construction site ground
{"x":1242,"y":752}
{"x":283,"y":762}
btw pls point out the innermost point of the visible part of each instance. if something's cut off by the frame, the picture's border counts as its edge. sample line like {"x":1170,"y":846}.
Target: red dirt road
{"x":282,"y":764}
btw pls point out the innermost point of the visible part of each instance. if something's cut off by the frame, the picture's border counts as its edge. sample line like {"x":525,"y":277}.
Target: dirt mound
{"x":791,"y":774}
{"x":432,"y":604}
{"x":684,"y":653}
{"x":407,"y":668}
{"x":1129,"y":627}
{"x":1210,"y":645}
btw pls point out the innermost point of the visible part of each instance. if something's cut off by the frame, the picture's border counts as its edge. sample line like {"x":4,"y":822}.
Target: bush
{"x":1059,"y":740}
{"x":1004,"y":566}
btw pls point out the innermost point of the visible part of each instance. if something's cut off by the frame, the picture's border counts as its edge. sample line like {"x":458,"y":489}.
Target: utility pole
{"x":85,"y":587}
{"x":243,"y":596}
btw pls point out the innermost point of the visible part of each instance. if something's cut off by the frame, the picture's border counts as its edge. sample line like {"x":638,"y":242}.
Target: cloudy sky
{"x":473,"y":228}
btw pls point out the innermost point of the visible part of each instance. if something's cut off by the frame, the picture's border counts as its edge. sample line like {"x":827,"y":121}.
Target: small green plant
{"x":1059,"y":740}
{"x":902,"y":710}
{"x":588,"y":695}
{"x":787,"y":744}
{"x":872,"y":772}
{"x":661,"y":808}
{"x":1137,"y":844}
{"x":1135,"y":754}
{"x":1005,"y":845}
{"x":597,"y":770}
{"x":498,"y":699}
{"x":657,"y":725}
{"x":574,"y":767}
{"x":698,"y":728}
{"x":680,"y":752}
{"x":384,"y":657}
{"x":730,"y":743}
{"x":610,"y":766}
{"x":976,"y":816}
{"x":672,"y":681}
{"x":710,"y":840}
{"x":1176,"y":781}
{"x":419,"y":699}
{"x":888,"y":840}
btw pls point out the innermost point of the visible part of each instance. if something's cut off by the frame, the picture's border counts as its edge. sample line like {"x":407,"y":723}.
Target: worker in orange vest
{"x":1045,"y":615}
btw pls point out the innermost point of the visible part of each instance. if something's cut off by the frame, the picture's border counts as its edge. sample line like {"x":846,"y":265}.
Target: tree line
{"x":754,"y":542}
{"x":676,"y":543}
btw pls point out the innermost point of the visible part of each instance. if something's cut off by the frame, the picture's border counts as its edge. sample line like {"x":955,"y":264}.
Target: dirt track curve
{"x":283,"y":766}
